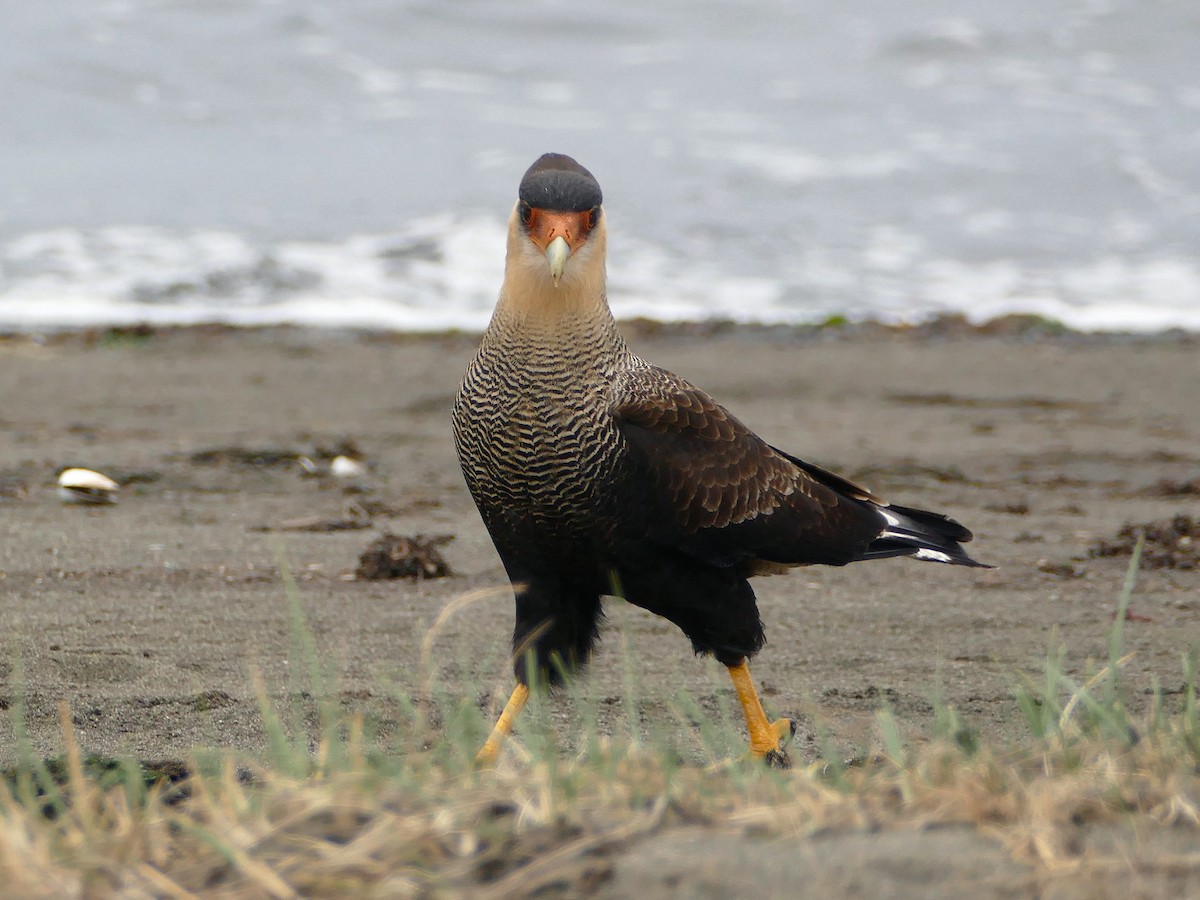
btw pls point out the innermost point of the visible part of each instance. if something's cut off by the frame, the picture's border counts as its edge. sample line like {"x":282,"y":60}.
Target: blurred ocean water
{"x":353,"y":164}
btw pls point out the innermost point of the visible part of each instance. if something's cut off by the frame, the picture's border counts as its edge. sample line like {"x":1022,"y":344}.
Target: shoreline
{"x":1016,"y":326}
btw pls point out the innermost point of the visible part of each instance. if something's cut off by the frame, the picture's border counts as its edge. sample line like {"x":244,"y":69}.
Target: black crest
{"x":559,"y":183}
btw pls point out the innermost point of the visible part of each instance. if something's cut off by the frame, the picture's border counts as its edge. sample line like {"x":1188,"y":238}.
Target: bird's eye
{"x":593,"y":217}
{"x":525,"y":211}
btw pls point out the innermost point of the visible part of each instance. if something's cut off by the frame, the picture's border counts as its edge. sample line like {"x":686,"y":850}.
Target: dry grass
{"x":351,"y":819}
{"x":358,"y":828}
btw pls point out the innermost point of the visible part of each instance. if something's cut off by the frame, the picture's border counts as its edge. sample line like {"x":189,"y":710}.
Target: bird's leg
{"x":767,"y":739}
{"x":491,"y":749}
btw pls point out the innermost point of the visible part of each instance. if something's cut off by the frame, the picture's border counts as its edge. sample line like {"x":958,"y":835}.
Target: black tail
{"x":921,"y":534}
{"x":906,"y":532}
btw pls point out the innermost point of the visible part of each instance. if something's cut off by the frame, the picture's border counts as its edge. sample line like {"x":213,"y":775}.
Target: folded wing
{"x":715,"y":490}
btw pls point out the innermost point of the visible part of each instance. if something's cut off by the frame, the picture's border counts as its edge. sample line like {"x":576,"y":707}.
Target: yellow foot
{"x":490,"y":751}
{"x":488,"y":754}
{"x":770,"y":743}
{"x":768,"y":740}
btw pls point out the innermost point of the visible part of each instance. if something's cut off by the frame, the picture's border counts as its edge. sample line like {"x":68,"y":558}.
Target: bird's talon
{"x":771,"y":748}
{"x":777,"y":759}
{"x":785,"y":730}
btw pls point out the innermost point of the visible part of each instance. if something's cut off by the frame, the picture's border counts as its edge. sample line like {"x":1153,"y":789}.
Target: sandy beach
{"x":151,"y":616}
{"x":157,"y":616}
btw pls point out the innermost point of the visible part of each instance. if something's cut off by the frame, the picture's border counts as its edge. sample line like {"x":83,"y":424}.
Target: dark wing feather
{"x":714,"y":489}
{"x":909,"y":530}
{"x":831,"y":480}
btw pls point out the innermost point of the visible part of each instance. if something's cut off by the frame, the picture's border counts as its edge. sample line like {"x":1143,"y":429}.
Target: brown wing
{"x":720,"y":491}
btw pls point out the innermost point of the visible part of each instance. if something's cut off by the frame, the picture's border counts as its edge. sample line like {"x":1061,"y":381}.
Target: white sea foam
{"x":436,"y":274}
{"x":444,"y":272}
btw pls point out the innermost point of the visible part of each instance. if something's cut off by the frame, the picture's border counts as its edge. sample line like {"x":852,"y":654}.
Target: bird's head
{"x":556,"y":236}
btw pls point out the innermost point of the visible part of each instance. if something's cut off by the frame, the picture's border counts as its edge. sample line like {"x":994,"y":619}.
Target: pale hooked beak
{"x":557,"y":252}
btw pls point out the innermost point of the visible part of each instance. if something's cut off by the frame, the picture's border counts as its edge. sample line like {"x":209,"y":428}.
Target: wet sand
{"x":150,"y":615}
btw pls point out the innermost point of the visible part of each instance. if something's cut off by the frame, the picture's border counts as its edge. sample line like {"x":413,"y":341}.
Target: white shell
{"x":86,"y":486}
{"x":346,"y":468}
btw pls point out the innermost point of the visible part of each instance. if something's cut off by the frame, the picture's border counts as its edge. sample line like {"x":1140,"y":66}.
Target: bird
{"x":597,"y":473}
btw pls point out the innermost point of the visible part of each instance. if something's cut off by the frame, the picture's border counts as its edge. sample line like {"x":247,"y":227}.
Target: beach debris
{"x":357,"y":513}
{"x":342,"y":461}
{"x":119,"y":335}
{"x":86,"y":486}
{"x":319,"y":524}
{"x":371,"y":507}
{"x":308,"y":468}
{"x":13,"y":490}
{"x":348,"y":473}
{"x":1012,"y":508}
{"x":263,"y":457}
{"x":127,"y":477}
{"x":343,"y":465}
{"x":1174,"y":544}
{"x":1060,"y":568}
{"x":1131,"y":616}
{"x":1168,"y":488}
{"x":344,"y":468}
{"x":395,"y":556}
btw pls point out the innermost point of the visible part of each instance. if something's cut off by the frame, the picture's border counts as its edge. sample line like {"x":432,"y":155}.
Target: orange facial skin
{"x":544,"y":225}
